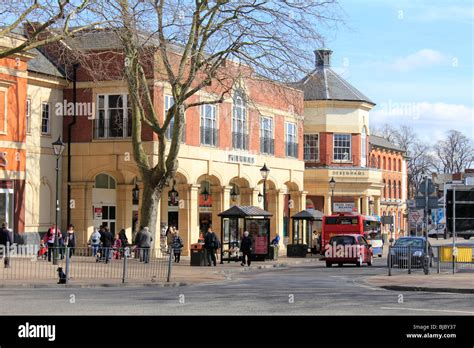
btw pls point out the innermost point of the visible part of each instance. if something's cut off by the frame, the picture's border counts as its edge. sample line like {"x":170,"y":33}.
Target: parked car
{"x":436,"y":232}
{"x":349,"y":248}
{"x":409,"y":247}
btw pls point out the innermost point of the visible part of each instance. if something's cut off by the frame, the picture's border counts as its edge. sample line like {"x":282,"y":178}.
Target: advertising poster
{"x":259,"y":234}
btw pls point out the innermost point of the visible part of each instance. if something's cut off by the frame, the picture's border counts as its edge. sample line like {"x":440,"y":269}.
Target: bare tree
{"x":211,"y":47}
{"x":46,"y":21}
{"x":455,"y":153}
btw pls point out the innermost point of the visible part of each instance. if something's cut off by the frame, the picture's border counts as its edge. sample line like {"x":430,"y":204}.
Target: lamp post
{"x":173,"y":194}
{"x":233,"y":193}
{"x":332,"y":185}
{"x":205,"y":192}
{"x":264,"y":171}
{"x":135,"y":195}
{"x":58,"y":147}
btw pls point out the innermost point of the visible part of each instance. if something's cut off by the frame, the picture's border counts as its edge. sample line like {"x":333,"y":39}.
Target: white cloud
{"x":429,"y":120}
{"x":422,"y":58}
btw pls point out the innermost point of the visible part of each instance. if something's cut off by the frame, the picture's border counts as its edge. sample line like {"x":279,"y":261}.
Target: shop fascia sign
{"x":349,"y":173}
{"x":343,"y":207}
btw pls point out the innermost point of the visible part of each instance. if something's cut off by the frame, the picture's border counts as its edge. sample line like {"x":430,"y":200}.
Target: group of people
{"x":54,"y":238}
{"x":105,"y":245}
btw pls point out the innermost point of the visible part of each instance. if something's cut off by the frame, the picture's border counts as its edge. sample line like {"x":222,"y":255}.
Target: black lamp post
{"x":332,"y":185}
{"x":264,"y":171}
{"x":58,"y":147}
{"x":135,"y":194}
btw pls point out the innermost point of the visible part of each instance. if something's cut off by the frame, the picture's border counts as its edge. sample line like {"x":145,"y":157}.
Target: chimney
{"x":323,"y":57}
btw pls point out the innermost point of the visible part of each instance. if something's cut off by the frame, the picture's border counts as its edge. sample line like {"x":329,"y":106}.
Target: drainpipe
{"x":69,"y":133}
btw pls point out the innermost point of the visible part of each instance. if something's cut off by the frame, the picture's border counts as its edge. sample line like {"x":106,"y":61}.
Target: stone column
{"x":276,"y":205}
{"x":88,"y":214}
{"x":357,"y":204}
{"x":377,"y":205}
{"x":193,"y":217}
{"x":365,"y":205}
{"x":124,"y":211}
{"x":254,"y":197}
{"x":220,"y":202}
{"x":327,"y":204}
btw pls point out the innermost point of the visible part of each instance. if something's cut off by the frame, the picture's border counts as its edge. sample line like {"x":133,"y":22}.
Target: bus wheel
{"x":328,"y":264}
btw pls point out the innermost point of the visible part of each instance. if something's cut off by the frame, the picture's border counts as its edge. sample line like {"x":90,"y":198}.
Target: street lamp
{"x":58,"y":147}
{"x":233,"y":193}
{"x":264,"y":171}
{"x":173,"y":194}
{"x":332,"y":185}
{"x":260,"y":197}
{"x":135,"y":194}
{"x":205,"y":192}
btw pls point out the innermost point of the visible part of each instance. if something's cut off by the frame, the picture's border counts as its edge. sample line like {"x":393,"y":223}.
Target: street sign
{"x":343,"y":207}
{"x":415,"y":216}
{"x":420,"y":202}
{"x":422,"y":188}
{"x":387,"y":219}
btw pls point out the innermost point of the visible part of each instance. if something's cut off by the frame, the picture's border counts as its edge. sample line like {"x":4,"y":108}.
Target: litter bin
{"x":198,"y":255}
{"x":273,"y":254}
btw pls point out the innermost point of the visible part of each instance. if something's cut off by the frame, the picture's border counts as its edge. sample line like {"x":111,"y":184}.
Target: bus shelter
{"x":304,"y":223}
{"x":236,"y":220}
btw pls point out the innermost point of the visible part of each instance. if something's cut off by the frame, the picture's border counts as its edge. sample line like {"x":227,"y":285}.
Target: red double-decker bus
{"x":346,"y":223}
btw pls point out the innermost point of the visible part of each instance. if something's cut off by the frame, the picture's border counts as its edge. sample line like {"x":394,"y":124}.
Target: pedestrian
{"x":144,"y":243}
{"x":61,"y":243}
{"x":169,"y":237}
{"x":117,"y":246}
{"x":276,"y":241}
{"x":70,"y":239}
{"x":177,"y":246}
{"x":5,"y":242}
{"x":107,"y":241}
{"x":211,"y":244}
{"x":94,"y":241}
{"x":246,"y":248}
{"x":124,"y":240}
{"x":50,"y":239}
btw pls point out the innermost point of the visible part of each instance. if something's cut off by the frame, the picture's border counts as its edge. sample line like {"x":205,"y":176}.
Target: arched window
{"x":384,"y":189}
{"x":379,"y":163}
{"x":399,"y":189}
{"x":239,"y":123}
{"x":389,"y":189}
{"x":104,"y":181}
{"x":394,"y":164}
{"x":363,"y":147}
{"x":395,"y":189}
{"x":399,"y":165}
{"x":389,"y":163}
{"x":384,"y":163}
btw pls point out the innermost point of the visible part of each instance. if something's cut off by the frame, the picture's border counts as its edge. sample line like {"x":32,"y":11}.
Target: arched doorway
{"x":104,"y":202}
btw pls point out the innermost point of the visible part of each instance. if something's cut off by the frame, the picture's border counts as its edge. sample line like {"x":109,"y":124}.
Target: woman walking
{"x":177,"y":246}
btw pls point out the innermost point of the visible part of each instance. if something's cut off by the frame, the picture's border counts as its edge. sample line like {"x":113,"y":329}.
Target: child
{"x":43,"y":250}
{"x":117,"y":246}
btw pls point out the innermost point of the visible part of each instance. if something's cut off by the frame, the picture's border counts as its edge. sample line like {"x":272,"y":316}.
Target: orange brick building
{"x":392,"y":161}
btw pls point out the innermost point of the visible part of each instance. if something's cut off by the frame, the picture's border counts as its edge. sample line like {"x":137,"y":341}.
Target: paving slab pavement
{"x":455,"y":283}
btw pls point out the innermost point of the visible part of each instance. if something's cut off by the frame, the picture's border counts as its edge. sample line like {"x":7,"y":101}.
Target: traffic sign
{"x":420,"y":202}
{"x":422,"y":188}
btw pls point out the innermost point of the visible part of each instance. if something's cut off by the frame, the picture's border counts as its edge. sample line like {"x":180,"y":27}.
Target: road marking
{"x":428,"y":310}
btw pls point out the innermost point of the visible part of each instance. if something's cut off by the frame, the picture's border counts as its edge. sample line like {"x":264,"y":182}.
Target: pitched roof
{"x":308,"y":214}
{"x":382,"y":142}
{"x":41,"y":64}
{"x":244,"y":211}
{"x":323,"y":83}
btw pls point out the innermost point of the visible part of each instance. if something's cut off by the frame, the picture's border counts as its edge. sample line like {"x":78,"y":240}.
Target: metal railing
{"x":441,"y":259}
{"x":88,"y":263}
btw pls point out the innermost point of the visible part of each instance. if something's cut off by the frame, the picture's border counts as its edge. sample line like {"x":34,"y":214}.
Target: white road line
{"x":428,"y":310}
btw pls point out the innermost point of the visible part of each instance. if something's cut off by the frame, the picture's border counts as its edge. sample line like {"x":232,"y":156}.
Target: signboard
{"x":98,"y":213}
{"x":416,"y":216}
{"x":258,"y":232}
{"x":420,"y":202}
{"x":349,"y":173}
{"x":387,"y":219}
{"x":343,"y":207}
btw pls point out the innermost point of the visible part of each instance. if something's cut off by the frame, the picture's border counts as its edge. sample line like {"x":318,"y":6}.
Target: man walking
{"x":107,"y":241}
{"x":211,"y":244}
{"x":5,"y":242}
{"x":246,"y":248}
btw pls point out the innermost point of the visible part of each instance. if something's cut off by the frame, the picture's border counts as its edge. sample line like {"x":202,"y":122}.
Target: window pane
{"x":102,"y":181}
{"x":116,"y":123}
{"x":115,"y":101}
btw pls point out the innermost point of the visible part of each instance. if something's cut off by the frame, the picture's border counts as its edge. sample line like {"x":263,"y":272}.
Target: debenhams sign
{"x":349,"y":173}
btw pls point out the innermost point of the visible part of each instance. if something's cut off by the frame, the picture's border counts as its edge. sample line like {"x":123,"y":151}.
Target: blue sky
{"x":414,"y":59}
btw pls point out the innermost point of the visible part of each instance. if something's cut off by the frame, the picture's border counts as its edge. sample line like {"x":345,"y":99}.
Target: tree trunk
{"x":149,"y":208}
